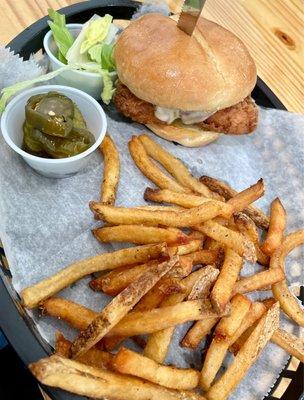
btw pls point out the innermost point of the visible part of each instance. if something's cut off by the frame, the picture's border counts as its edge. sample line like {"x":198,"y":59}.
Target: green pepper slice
{"x":52,"y":113}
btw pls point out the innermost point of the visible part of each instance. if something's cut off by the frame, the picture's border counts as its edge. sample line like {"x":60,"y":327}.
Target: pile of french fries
{"x":186,"y":265}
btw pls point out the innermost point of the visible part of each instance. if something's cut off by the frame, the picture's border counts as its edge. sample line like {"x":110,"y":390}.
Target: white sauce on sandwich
{"x":169,"y":115}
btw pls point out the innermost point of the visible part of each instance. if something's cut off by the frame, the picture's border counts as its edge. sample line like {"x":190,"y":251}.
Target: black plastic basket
{"x":17,"y":326}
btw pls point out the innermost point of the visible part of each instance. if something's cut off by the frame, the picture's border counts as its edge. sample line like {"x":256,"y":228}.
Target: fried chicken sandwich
{"x":188,"y":89}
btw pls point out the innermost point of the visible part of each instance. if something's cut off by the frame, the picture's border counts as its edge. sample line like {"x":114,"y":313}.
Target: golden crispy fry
{"x":246,"y":356}
{"x":243,"y":199}
{"x":259,"y":281}
{"x":146,"y":322}
{"x":198,"y":332}
{"x":223,"y":288}
{"x":194,"y":235}
{"x":227,"y":237}
{"x":158,"y":342}
{"x":33,"y":295}
{"x":74,"y":314}
{"x":255,"y":312}
{"x":94,"y":357}
{"x":136,"y":322}
{"x":290,"y":343}
{"x":129,"y":362}
{"x":224,"y":190}
{"x":150,"y":169}
{"x":203,"y":257}
{"x":174,"y":166}
{"x":179,"y":219}
{"x":169,"y":284}
{"x":211,"y":244}
{"x":160,"y":208}
{"x":246,"y":226}
{"x":218,"y":348}
{"x":280,"y":290}
{"x":138,"y":234}
{"x":111,"y":170}
{"x":115,"y":281}
{"x":98,"y":383}
{"x":276,"y":229}
{"x":119,"y":307}
{"x":184,"y":199}
{"x":229,"y":324}
{"x":190,"y":247}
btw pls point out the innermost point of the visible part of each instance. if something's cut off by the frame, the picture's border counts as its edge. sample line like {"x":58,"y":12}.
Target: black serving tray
{"x":17,"y":326}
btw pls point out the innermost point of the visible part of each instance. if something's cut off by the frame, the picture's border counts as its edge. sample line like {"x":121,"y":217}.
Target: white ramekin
{"x":13,"y":117}
{"x":89,"y":82}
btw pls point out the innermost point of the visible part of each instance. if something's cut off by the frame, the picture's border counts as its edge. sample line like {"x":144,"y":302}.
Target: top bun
{"x":162,"y":65}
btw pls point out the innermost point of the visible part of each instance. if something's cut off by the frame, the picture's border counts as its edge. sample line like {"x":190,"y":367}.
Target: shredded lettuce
{"x":108,"y":89}
{"x":10,"y":91}
{"x":96,"y":32}
{"x":62,"y":36}
{"x":102,"y":54}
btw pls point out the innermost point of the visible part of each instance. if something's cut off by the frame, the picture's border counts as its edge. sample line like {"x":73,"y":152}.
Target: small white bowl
{"x":89,"y":82}
{"x":13,"y":118}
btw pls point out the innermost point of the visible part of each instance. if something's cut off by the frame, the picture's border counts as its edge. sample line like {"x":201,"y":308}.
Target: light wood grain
{"x":272,"y":30}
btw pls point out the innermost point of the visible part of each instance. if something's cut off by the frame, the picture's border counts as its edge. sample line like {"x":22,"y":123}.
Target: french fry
{"x":111,"y":170}
{"x":287,"y":341}
{"x":290,"y":343}
{"x":139,"y":234}
{"x":174,"y":166}
{"x":117,"y":280}
{"x":276,"y":229}
{"x":218,"y":348}
{"x":194,"y":235}
{"x":243,"y":199}
{"x":203,"y":257}
{"x":227,"y":237}
{"x":223,"y":287}
{"x":247,"y":355}
{"x":184,"y":199}
{"x":246,"y":226}
{"x":224,"y":190}
{"x":159,"y":208}
{"x":113,"y":282}
{"x":169,"y":284}
{"x":147,"y":322}
{"x":94,"y":357}
{"x":98,"y":383}
{"x":280,"y":290}
{"x":129,"y":362}
{"x":183,"y":249}
{"x":177,"y":219}
{"x":33,"y":295}
{"x":198,"y":332}
{"x":158,"y":342}
{"x":166,"y":286}
{"x":255,"y":312}
{"x":259,"y":280}
{"x":229,"y":324}
{"x":150,"y":169}
{"x":74,"y":314}
{"x":136,"y":322}
{"x":119,"y":307}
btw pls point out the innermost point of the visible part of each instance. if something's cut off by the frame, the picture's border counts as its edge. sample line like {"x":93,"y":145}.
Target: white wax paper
{"x":45,"y":224}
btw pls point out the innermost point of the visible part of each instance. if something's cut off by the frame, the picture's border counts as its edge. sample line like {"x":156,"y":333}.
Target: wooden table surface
{"x":272,"y":30}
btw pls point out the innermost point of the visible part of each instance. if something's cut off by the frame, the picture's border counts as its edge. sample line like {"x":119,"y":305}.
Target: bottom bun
{"x":186,"y":135}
